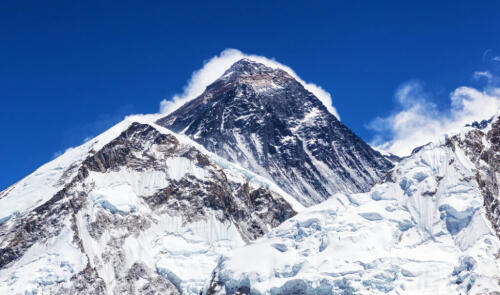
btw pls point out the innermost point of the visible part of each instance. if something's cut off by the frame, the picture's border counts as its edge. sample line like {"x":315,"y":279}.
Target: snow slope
{"x":426,"y":231}
{"x":142,"y":210}
{"x":138,"y":209}
{"x":38,"y":187}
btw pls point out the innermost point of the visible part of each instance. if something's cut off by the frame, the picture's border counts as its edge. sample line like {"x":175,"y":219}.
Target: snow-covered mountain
{"x":138,"y":210}
{"x":210,"y":199}
{"x":432,"y":228}
{"x":268,"y":122}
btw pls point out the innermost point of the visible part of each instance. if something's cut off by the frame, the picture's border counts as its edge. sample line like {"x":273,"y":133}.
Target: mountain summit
{"x":249,"y":67}
{"x":268,"y":122}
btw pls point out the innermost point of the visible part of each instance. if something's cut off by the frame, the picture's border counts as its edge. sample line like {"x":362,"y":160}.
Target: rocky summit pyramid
{"x":268,"y":122}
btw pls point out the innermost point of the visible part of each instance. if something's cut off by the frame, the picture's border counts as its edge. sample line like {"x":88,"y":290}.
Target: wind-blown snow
{"x":215,"y":68}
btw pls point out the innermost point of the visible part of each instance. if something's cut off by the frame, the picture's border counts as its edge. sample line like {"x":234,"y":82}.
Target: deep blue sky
{"x":71,"y":69}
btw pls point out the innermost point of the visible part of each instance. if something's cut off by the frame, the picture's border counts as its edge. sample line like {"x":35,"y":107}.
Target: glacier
{"x":424,"y":231}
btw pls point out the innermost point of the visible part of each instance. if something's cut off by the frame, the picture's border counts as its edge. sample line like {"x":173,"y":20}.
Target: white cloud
{"x":496,"y":58}
{"x":486,"y":53}
{"x":217,"y":65}
{"x":419,"y":120}
{"x":487,"y":75}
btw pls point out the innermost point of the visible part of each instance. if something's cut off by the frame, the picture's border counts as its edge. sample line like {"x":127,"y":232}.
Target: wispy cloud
{"x":485,"y":74}
{"x":490,"y":56}
{"x":419,"y":121}
{"x":217,"y":65}
{"x":486,"y":53}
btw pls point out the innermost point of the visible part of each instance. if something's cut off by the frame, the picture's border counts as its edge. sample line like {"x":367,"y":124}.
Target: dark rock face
{"x":488,"y":176}
{"x":251,"y":209}
{"x":487,"y":161}
{"x":44,"y":222}
{"x":120,"y":151}
{"x":269,"y":123}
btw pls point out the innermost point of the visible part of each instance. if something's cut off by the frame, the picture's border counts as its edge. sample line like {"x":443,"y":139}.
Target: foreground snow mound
{"x":428,"y":230}
{"x":137,"y":210}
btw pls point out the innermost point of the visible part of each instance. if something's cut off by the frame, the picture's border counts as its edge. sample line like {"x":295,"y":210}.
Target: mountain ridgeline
{"x":254,"y":187}
{"x":268,"y":122}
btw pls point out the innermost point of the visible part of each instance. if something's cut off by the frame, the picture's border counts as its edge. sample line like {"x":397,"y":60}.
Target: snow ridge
{"x":133,"y":204}
{"x":309,"y":208}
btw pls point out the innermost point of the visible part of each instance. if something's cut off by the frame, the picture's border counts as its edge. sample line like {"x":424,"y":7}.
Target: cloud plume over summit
{"x":217,"y":65}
